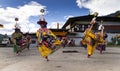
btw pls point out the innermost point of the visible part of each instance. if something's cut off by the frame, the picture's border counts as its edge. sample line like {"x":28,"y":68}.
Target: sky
{"x":56,"y":11}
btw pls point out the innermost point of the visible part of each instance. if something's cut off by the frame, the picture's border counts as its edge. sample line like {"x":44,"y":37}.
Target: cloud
{"x":103,"y":7}
{"x":24,"y":12}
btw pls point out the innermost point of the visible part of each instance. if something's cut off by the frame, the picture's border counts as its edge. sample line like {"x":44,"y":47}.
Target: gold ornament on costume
{"x":16,"y":19}
{"x":95,"y":14}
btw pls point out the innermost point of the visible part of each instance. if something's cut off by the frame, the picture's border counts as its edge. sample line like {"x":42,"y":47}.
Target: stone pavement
{"x":59,"y":61}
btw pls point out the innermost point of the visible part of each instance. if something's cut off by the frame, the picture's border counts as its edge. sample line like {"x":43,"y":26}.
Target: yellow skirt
{"x":57,"y":42}
{"x":44,"y":51}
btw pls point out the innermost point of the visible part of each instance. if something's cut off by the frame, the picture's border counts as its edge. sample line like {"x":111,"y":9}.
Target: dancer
{"x":89,"y":36}
{"x":101,"y":36}
{"x":18,"y":39}
{"x":47,"y":41}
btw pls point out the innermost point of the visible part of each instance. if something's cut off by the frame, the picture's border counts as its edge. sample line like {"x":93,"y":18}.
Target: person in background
{"x":64,"y":41}
{"x":28,"y":40}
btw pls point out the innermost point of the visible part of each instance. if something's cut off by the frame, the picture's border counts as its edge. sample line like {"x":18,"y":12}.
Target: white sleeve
{"x":100,"y":27}
{"x":94,"y":19}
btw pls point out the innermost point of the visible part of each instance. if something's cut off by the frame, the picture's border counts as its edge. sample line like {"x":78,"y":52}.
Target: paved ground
{"x":59,"y":61}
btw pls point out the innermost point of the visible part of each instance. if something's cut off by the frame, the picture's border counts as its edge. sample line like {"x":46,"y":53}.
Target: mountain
{"x":116,"y":14}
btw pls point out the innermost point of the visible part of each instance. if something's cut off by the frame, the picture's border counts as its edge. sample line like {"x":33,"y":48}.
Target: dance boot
{"x":46,"y":58}
{"x":88,"y":55}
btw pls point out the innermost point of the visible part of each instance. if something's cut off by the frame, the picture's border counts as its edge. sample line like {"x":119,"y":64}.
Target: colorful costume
{"x":16,"y":39}
{"x":20,"y":42}
{"x":90,"y":41}
{"x":101,"y":36}
{"x":47,"y":41}
{"x":89,"y":37}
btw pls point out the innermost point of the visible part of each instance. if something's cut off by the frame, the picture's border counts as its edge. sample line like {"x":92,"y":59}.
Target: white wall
{"x":78,"y":38}
{"x":110,"y":35}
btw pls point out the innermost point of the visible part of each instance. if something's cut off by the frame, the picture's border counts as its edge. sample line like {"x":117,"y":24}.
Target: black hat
{"x":42,"y":22}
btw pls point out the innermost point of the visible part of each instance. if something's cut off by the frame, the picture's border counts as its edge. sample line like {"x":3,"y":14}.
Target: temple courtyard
{"x":64,"y":59}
